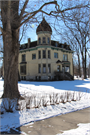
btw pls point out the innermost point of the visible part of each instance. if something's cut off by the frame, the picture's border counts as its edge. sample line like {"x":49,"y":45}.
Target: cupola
{"x":44,"y":32}
{"x":43,"y":27}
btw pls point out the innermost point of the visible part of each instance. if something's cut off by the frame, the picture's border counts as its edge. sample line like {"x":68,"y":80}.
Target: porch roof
{"x":58,"y":61}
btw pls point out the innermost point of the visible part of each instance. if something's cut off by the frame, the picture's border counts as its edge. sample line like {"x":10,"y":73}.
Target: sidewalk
{"x":55,"y":125}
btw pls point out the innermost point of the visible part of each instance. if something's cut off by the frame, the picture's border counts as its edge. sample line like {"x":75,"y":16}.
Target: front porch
{"x":63,"y":71}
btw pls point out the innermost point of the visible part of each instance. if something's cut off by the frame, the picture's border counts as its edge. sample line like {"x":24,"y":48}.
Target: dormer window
{"x":44,"y":40}
{"x":48,"y":40}
{"x":39,"y":40}
{"x":24,"y":46}
{"x":62,"y":46}
{"x":67,"y":47}
{"x":56,"y":44}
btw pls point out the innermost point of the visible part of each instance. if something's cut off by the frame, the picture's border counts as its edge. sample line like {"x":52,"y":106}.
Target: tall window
{"x":44,"y":40}
{"x":65,"y":57}
{"x":48,"y":40}
{"x":44,"y":68}
{"x":55,"y":55}
{"x":23,"y":58}
{"x":44,"y":54}
{"x":33,"y":56}
{"x":39,"y":54}
{"x":39,"y":68}
{"x":23,"y":69}
{"x":39,"y":40}
{"x":49,"y":68}
{"x":49,"y":54}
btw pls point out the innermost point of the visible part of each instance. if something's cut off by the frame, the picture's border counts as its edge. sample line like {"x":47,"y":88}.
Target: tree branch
{"x":22,"y":34}
{"x":31,"y":14}
{"x":75,"y":7}
{"x":2,"y":51}
{"x":48,"y":3}
{"x":35,"y":12}
{"x":23,"y":9}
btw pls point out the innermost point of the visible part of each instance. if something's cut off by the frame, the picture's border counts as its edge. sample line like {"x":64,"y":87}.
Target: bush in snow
{"x":37,"y":101}
{"x":8,"y":105}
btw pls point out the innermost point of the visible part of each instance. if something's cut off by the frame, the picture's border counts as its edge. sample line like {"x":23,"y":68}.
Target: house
{"x":45,"y":59}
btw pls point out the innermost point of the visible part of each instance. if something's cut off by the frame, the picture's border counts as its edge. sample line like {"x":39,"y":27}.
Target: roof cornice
{"x":46,"y":46}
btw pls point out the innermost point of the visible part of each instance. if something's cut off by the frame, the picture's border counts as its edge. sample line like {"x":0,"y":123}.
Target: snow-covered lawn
{"x":18,"y":118}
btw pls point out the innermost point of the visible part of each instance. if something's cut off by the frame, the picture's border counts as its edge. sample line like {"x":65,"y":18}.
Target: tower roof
{"x":43,"y":26}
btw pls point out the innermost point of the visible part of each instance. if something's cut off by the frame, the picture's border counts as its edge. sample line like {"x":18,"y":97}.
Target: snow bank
{"x":83,"y":129}
{"x":18,"y":118}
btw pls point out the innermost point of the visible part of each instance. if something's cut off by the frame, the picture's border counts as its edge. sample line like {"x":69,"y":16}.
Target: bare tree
{"x":77,"y":23}
{"x":15,"y":14}
{"x":69,"y":38}
{"x":12,"y":20}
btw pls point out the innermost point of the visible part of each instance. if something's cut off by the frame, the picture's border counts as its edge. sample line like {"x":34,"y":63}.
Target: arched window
{"x":48,"y":40}
{"x":44,"y":40}
{"x":39,"y":40}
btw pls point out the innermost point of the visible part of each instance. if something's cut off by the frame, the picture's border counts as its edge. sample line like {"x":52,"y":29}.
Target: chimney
{"x":29,"y":40}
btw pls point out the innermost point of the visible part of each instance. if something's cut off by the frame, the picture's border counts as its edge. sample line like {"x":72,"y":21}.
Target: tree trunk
{"x":19,"y":76}
{"x":85,"y":65}
{"x":79,"y":68}
{"x":10,"y":24}
{"x":11,"y":51}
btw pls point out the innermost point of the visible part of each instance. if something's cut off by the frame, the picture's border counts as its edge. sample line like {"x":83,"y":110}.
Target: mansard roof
{"x":53,"y":44}
{"x":43,"y":26}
